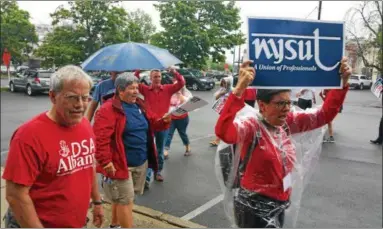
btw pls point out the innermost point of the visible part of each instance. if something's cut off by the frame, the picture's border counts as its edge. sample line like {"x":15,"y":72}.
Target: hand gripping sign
{"x":290,"y":53}
{"x":264,"y":174}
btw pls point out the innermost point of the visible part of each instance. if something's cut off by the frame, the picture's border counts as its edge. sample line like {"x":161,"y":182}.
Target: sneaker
{"x":331,"y":139}
{"x":159,"y":177}
{"x":147,"y":185}
{"x":377,"y":141}
{"x":187,"y":153}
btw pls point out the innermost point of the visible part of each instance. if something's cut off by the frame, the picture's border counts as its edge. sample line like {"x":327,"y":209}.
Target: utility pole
{"x":233,"y":60}
{"x":319,"y":9}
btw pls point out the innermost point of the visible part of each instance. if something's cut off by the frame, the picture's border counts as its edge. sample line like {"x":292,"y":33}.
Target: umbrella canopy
{"x":128,"y":57}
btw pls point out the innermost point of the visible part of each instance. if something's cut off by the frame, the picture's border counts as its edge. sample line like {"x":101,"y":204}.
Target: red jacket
{"x":109,"y":125}
{"x":265,"y":171}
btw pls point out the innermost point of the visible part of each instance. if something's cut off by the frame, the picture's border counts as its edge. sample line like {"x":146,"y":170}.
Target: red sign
{"x":226,"y":66}
{"x":6,"y":58}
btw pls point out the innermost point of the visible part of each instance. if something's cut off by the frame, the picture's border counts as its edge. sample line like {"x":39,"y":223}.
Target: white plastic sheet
{"x":261,"y":191}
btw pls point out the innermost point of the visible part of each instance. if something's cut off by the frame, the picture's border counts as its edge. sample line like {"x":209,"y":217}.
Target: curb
{"x":147,"y":216}
{"x":160,"y":216}
{"x":176,"y":221}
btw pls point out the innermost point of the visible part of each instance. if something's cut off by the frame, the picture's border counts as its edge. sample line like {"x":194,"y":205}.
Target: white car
{"x":360,"y":81}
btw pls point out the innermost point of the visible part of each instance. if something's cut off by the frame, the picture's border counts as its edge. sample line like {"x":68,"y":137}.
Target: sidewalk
{"x":143,"y":217}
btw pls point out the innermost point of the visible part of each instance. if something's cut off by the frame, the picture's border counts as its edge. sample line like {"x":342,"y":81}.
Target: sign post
{"x":295,"y":53}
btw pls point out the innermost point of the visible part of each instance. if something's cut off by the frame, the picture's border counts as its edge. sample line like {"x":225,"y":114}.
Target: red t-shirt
{"x":158,"y":99}
{"x":57,"y":163}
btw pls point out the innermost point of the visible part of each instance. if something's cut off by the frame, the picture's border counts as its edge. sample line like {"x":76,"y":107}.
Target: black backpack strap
{"x":254,"y":143}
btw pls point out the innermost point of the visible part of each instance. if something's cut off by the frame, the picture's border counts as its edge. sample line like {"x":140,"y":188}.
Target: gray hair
{"x":124,"y":80}
{"x":68,"y":73}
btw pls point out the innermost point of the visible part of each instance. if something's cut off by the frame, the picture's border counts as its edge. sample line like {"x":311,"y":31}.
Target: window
{"x":45,"y":74}
{"x":354,"y":77}
{"x":363,"y":77}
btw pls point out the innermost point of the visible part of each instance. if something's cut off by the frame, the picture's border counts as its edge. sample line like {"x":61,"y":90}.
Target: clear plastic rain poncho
{"x":175,"y":100}
{"x":220,"y":102}
{"x":273,"y":176}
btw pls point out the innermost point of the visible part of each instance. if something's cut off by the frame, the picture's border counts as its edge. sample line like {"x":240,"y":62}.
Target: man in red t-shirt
{"x":50,"y":175}
{"x":157,"y":97}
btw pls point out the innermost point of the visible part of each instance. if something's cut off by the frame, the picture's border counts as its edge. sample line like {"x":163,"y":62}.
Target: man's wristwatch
{"x":97,"y":202}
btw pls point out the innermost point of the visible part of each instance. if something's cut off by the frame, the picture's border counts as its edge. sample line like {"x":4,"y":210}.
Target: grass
{"x":4,"y":89}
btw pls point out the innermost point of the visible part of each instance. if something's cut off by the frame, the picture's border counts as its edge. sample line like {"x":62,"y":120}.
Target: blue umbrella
{"x":128,"y":57}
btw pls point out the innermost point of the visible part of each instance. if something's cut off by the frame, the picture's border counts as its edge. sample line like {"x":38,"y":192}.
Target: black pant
{"x":380,"y":136}
{"x":304,"y":104}
{"x":257,"y":211}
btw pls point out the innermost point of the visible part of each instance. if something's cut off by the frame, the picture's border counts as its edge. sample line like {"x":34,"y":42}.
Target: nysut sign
{"x":291,"y":53}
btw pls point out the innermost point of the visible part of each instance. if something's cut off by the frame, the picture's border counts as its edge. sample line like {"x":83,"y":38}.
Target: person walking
{"x":124,"y":129}
{"x":306,"y":98}
{"x":50,"y":175}
{"x":265,"y":184}
{"x":330,"y":139}
{"x":179,"y":123}
{"x":103,"y":88}
{"x":157,"y":97}
{"x":222,"y":93}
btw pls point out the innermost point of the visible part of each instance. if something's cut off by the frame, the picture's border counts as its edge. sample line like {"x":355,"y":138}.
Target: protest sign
{"x":191,"y":104}
{"x":220,"y":103}
{"x":377,"y":88}
{"x":289,"y":53}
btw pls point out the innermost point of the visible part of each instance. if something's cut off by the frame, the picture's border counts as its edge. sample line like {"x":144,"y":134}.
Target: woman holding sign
{"x":179,"y":123}
{"x":267,"y":157}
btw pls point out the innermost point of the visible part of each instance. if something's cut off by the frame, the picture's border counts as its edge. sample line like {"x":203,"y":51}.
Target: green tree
{"x":140,"y":26}
{"x":18,"y":34}
{"x":64,"y":45}
{"x":197,"y":30}
{"x":99,"y":22}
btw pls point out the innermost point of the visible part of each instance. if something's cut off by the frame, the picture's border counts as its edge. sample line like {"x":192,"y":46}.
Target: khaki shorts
{"x":123,"y":191}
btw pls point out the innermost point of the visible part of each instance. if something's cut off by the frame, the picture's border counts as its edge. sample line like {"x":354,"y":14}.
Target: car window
{"x":363,"y":77}
{"x":45,"y":74}
{"x":354,"y":77}
{"x":196,"y":73}
{"x":31,"y":74}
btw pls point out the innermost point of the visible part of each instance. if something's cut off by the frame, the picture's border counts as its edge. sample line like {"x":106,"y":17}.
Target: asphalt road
{"x":345,"y":189}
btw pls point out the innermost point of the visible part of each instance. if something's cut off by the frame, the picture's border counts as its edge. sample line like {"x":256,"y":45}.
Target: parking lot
{"x":345,"y":190}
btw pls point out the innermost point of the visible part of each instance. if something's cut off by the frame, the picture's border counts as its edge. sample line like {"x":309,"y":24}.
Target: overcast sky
{"x":331,"y":10}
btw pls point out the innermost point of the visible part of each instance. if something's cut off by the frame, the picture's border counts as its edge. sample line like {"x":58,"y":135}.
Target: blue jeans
{"x":181,"y":126}
{"x":160,"y":142}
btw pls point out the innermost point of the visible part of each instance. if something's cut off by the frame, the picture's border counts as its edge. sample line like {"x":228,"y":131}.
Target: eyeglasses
{"x":77,"y":98}
{"x":282,"y":103}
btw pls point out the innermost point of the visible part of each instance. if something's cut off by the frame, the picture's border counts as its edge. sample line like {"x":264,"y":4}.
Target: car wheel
{"x":361,"y":86}
{"x":12,"y":87}
{"x":195,"y":87}
{"x":29,"y":90}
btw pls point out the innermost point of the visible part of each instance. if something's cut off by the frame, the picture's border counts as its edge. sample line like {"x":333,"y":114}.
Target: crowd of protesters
{"x":129,"y":140}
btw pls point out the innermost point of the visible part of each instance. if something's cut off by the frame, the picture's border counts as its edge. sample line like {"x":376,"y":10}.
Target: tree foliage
{"x":197,"y":30}
{"x":364,"y":27}
{"x":64,"y":45}
{"x":86,"y":26}
{"x":140,"y":26}
{"x":99,"y":22}
{"x":18,"y":34}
